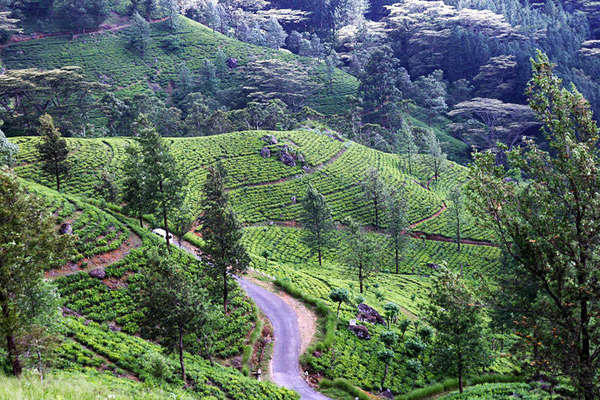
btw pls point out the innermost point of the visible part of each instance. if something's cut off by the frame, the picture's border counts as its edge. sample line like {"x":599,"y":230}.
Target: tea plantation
{"x":107,"y":58}
{"x":265,"y":193}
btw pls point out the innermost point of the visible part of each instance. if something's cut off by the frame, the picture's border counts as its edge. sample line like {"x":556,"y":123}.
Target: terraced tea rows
{"x":106,"y":57}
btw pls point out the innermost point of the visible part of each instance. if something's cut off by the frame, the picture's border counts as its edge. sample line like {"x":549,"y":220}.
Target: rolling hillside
{"x":106,"y":57}
{"x":265,"y":194}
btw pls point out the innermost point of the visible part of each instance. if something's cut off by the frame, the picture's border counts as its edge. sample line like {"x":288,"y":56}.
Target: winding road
{"x":285,"y":369}
{"x":285,"y":364}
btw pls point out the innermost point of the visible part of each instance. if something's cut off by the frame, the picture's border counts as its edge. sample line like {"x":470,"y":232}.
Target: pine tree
{"x":407,"y":145}
{"x":374,"y":191}
{"x":436,"y":158}
{"x":175,"y":301}
{"x":140,"y":34}
{"x":549,"y":226}
{"x":29,"y":244}
{"x":53,"y":150}
{"x":275,"y":35}
{"x":164,"y":182}
{"x":397,"y":221}
{"x":456,"y":315}
{"x":457,"y":212}
{"x":134,"y":191}
{"x":8,"y":151}
{"x":363,"y":254}
{"x":221,"y":231}
{"x":317,"y":221}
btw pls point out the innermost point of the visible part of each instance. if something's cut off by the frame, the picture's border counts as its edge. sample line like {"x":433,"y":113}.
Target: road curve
{"x":285,"y":369}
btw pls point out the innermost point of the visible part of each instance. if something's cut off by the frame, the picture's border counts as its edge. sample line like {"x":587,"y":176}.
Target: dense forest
{"x":313,"y":199}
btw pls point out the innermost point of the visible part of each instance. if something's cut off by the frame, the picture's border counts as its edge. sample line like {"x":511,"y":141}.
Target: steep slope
{"x":106,"y":57}
{"x":265,"y":188}
{"x":99,"y":328}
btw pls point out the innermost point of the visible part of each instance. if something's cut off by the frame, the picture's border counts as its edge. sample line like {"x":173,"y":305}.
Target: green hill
{"x":265,"y":189}
{"x":106,"y":57}
{"x":99,"y":327}
{"x":265,"y":194}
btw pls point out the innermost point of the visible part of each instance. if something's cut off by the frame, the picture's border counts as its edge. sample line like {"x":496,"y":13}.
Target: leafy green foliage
{"x":29,"y":242}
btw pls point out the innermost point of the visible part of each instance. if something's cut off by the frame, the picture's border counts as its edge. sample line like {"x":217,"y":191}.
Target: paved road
{"x":284,"y":365}
{"x":285,"y":368}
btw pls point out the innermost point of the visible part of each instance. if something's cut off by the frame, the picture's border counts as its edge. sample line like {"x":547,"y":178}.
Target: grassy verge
{"x":327,"y":323}
{"x":452,"y":384}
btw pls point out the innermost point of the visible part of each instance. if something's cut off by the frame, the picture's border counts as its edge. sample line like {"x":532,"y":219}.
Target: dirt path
{"x":15,"y":39}
{"x":97,"y":261}
{"x":297,"y":176}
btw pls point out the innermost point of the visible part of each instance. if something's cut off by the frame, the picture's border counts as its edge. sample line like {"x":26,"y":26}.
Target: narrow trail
{"x":297,"y":176}
{"x":16,"y":39}
{"x":285,"y":364}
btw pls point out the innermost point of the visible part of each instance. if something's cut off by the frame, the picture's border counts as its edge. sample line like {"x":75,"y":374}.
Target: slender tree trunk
{"x":181,"y":362}
{"x":396,"y":249}
{"x":587,"y":372}
{"x":338,"y":310}
{"x":57,"y":181}
{"x":458,"y":235}
{"x":360,"y":277}
{"x":11,"y":348}
{"x":13,"y":356}
{"x":319,"y":247}
{"x":376,"y":213}
{"x":40,"y":365}
{"x":225,"y":289}
{"x":141,"y":220}
{"x":165,"y":220}
{"x":385,"y":372}
{"x":460,"y":373}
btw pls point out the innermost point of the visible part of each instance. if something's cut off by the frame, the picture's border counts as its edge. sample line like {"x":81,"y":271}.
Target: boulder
{"x":265,"y":152}
{"x":98,"y":273}
{"x":294,"y":200}
{"x":369,"y":314}
{"x":286,"y":158}
{"x":232,"y":62}
{"x":66,"y":229}
{"x":433,"y":266}
{"x":387,"y":394}
{"x":360,"y":331}
{"x":270,"y":139}
{"x":317,"y":354}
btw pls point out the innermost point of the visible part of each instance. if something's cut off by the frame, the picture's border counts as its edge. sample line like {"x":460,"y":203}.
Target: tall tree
{"x":317,"y":221}
{"x":8,"y":151}
{"x":134,"y":178}
{"x":275,"y":35}
{"x":363,"y":254}
{"x":175,"y":302}
{"x":549,"y":224}
{"x":435,"y":158}
{"x":139,"y":39}
{"x":456,"y":315}
{"x":164,"y":181}
{"x":407,"y":145}
{"x":221,"y":231}
{"x":339,"y":296}
{"x":457,"y":210}
{"x":80,"y":14}
{"x":29,"y":244}
{"x":53,"y":150}
{"x":27,"y":94}
{"x":397,"y":222}
{"x":374,"y":191}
